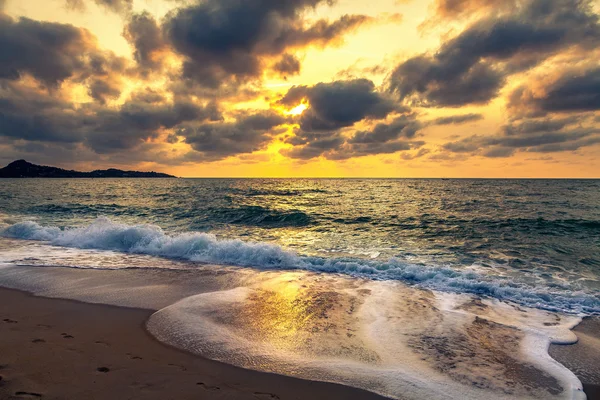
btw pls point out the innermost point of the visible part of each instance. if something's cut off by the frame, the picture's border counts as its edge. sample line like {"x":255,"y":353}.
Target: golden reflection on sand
{"x":305,"y":314}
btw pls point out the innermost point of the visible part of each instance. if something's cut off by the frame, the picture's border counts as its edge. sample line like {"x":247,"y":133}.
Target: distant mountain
{"x":24,"y":169}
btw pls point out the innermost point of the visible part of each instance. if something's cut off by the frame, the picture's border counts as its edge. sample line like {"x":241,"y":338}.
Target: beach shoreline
{"x":583,"y":357}
{"x":65,"y":349}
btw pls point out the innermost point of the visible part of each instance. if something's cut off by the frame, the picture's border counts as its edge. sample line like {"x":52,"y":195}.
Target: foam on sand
{"x":385,"y":337}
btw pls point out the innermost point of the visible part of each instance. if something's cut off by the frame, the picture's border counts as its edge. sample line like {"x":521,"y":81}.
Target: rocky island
{"x":24,"y":169}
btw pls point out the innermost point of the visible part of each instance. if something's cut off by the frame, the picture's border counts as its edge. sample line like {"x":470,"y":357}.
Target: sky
{"x":303,"y":88}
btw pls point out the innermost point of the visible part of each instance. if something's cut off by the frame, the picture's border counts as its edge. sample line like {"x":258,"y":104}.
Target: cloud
{"x":134,"y":123}
{"x":382,"y":138}
{"x":404,"y":126}
{"x":35,"y":116}
{"x":287,"y":65}
{"x":472,"y":67}
{"x":250,"y":132}
{"x":118,"y":6}
{"x":147,"y":95}
{"x":413,"y":156}
{"x":326,"y":127}
{"x":573,"y":91}
{"x":454,"y":9}
{"x":312,"y":145}
{"x":53,"y":53}
{"x":48,"y":51}
{"x":229,"y":40}
{"x":75,"y":5}
{"x":339,"y":104}
{"x":532,"y":126}
{"x":103,"y":90}
{"x":456,"y":119}
{"x":145,"y":36}
{"x":536,"y":135}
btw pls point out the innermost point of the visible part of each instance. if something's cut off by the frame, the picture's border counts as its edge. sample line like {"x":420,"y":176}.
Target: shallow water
{"x":413,"y":288}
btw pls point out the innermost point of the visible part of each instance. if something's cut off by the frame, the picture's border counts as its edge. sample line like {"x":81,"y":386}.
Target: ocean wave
{"x":207,"y":248}
{"x":241,"y":215}
{"x":75,"y":208}
{"x":259,"y":216}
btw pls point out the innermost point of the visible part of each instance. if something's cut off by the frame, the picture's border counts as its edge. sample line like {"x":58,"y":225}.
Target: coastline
{"x":583,"y":357}
{"x":65,"y":349}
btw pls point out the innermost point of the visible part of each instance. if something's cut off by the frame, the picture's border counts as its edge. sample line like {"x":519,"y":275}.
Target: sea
{"x":410,"y":288}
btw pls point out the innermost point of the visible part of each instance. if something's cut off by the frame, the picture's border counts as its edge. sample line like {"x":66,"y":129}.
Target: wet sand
{"x":583,"y":358}
{"x":62,"y":349}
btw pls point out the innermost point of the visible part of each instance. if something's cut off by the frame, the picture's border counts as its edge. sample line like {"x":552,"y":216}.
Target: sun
{"x":299,"y":109}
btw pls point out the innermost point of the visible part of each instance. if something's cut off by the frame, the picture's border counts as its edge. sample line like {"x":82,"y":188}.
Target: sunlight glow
{"x":299,"y":109}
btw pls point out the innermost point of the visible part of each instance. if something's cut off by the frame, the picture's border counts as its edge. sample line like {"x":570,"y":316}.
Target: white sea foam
{"x":399,"y":341}
{"x":207,"y":248}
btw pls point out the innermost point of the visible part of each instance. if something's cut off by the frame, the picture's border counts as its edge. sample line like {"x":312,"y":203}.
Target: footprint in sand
{"x":132,"y":357}
{"x":206,"y":387}
{"x":101,"y":342}
{"x":44,"y":326}
{"x":28,"y":395}
{"x":181,"y":367}
{"x":102,"y":369}
{"x":67,"y":336}
{"x":9,"y":321}
{"x":38,"y":341}
{"x":263,"y":395}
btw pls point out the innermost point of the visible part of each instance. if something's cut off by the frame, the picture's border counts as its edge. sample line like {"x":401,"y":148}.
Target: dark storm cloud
{"x":248,"y":133}
{"x":473,"y":66}
{"x":145,"y":36}
{"x":535,"y":135}
{"x":225,"y":40}
{"x":339,"y":104}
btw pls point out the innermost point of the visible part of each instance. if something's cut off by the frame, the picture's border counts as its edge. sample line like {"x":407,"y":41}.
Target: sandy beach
{"x":583,"y":358}
{"x":62,"y":349}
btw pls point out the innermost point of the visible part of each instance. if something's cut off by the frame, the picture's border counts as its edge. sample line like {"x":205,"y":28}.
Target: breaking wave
{"x":105,"y":234}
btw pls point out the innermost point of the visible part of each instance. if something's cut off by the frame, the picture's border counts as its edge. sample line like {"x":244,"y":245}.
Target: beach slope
{"x":62,"y":349}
